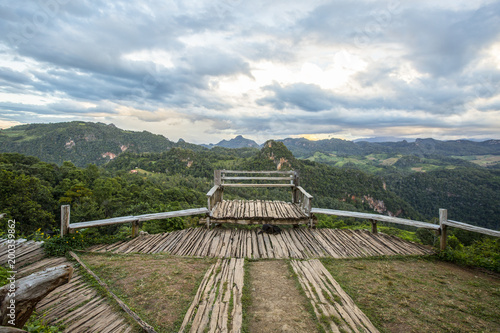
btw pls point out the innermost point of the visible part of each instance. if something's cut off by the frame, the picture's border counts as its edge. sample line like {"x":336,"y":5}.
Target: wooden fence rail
{"x":376,"y":217}
{"x":67,"y":227}
{"x":441,"y":228}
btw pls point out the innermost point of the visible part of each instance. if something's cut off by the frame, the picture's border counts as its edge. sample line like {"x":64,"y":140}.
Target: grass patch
{"x":159,"y":288}
{"x":419,"y":294}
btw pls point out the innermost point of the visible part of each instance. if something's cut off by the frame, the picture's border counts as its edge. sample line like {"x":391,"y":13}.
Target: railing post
{"x":217,"y":177}
{"x":374,"y":226}
{"x":65,"y":214}
{"x":443,"y":217}
{"x":135,"y":229}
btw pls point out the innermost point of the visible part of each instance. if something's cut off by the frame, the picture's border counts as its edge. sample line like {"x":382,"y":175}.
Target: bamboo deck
{"x":76,"y":305}
{"x":290,"y":243}
{"x":25,"y":251}
{"x":334,"y":308}
{"x":258,"y":211}
{"x":217,"y":306}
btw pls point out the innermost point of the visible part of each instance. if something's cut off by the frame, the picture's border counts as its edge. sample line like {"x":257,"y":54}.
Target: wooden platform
{"x":258,"y":212}
{"x":25,"y":251}
{"x":297,"y":243}
{"x":76,"y":305}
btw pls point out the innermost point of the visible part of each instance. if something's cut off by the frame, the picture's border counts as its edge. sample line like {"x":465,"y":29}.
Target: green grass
{"x":420,"y":294}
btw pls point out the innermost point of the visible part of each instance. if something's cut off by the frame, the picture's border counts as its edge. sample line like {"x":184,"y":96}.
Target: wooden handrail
{"x":127,"y":219}
{"x":472,"y":228}
{"x":376,"y":217}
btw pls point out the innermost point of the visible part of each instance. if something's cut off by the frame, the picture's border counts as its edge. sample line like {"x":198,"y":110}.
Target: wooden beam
{"x":472,"y":228}
{"x":443,"y":216}
{"x":65,"y":216}
{"x":258,"y":178}
{"x":258,"y":185}
{"x":139,"y":218}
{"x":374,"y":226}
{"x":376,"y":217}
{"x":259,"y":172}
{"x":307,"y":195}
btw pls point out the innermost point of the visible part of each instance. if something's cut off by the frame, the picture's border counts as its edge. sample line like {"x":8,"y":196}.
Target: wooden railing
{"x":67,"y":227}
{"x":440,"y":228}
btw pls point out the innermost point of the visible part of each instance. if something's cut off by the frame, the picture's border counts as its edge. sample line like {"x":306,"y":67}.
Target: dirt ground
{"x":277,"y":305}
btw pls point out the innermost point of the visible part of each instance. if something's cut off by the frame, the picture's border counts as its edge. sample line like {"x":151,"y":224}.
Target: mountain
{"x":82,"y":142}
{"x":303,"y":148}
{"x":384,"y":139}
{"x":237,"y":142}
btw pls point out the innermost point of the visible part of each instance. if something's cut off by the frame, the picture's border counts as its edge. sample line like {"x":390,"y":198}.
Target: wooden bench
{"x":298,"y":211}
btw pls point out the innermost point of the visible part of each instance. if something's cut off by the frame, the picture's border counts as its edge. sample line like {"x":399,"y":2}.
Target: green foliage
{"x":3,"y":276}
{"x":58,"y":246}
{"x":483,"y":253}
{"x":165,"y":225}
{"x":470,"y":195}
{"x":37,"y":324}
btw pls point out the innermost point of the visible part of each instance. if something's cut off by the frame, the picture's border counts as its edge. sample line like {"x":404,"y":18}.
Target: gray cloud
{"x":82,"y":51}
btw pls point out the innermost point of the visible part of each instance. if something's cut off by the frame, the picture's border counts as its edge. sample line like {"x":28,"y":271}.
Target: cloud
{"x":259,"y":68}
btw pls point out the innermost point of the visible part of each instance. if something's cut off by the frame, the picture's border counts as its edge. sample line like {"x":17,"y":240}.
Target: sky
{"x":205,"y":71}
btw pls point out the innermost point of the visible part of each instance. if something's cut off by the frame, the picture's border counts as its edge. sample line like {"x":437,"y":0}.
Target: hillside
{"x":81,"y":142}
{"x":304,"y":148}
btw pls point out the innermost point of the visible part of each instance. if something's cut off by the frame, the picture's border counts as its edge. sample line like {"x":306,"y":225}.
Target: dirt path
{"x":277,"y":305}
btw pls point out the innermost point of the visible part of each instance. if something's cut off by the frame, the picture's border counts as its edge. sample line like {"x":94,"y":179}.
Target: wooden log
{"x":18,"y":300}
{"x":145,"y":326}
{"x":65,"y":216}
{"x":374,"y":226}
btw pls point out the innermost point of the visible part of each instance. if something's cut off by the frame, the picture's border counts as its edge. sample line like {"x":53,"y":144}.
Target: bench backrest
{"x":233,"y":178}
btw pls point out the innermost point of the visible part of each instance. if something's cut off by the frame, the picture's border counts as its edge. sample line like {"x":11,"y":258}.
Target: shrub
{"x":483,"y":253}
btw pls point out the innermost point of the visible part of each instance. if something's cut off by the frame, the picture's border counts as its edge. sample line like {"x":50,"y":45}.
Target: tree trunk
{"x":18,"y":300}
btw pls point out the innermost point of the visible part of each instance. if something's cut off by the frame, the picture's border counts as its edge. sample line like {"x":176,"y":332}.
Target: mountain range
{"x":85,"y":142}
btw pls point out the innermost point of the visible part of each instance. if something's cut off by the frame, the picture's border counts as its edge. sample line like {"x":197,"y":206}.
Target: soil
{"x":277,"y":304}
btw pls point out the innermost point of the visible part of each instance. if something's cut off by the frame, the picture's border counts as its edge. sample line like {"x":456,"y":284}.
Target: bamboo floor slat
{"x":217,"y":306}
{"x":334,"y":308}
{"x":290,"y":243}
{"x":257,"y":210}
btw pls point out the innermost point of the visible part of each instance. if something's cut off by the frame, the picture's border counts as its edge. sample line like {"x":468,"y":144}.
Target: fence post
{"x":135,"y":229}
{"x":374,"y":226}
{"x":217,"y":177}
{"x":65,"y":214}
{"x":443,"y":217}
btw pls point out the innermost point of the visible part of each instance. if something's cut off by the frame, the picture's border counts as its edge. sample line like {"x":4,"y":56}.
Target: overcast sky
{"x":210,"y":70}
